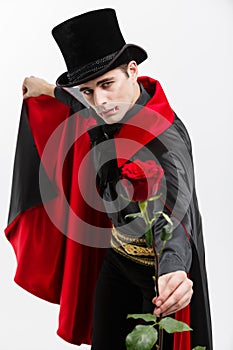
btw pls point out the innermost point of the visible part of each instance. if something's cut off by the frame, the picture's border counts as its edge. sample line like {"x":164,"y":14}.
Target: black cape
{"x":48,"y":260}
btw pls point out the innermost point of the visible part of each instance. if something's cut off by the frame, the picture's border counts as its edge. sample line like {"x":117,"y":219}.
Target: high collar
{"x":150,"y":121}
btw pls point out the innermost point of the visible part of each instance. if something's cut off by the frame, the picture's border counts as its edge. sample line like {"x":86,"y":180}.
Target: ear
{"x":133,"y":70}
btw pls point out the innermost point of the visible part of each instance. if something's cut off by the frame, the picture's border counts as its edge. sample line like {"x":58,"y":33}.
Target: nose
{"x":99,"y":97}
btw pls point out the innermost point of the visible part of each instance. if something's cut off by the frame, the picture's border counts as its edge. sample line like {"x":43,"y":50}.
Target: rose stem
{"x":157,"y":289}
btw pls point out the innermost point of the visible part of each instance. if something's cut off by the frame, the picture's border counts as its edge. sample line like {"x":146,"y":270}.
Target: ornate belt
{"x":132,"y":248}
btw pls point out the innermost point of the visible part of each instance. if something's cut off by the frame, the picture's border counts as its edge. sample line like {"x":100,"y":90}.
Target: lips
{"x":109,"y":112}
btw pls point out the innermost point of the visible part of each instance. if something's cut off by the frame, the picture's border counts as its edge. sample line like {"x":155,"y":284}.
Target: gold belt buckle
{"x":137,"y":250}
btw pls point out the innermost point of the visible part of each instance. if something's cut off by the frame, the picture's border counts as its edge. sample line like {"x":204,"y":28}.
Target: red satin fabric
{"x":51,"y":265}
{"x":182,"y":340}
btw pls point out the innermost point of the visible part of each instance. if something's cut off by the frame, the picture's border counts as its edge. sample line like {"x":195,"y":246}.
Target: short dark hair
{"x":124,"y":69}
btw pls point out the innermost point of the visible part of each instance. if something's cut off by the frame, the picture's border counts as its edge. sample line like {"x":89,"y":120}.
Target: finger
{"x":27,"y":87}
{"x":24,"y":90}
{"x":26,"y":94}
{"x":25,"y":81}
{"x":168,"y":284}
{"x":177,"y":299}
{"x":178,"y":306}
{"x":24,"y":86}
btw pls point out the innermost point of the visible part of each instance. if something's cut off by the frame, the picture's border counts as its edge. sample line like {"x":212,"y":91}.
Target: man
{"x":105,"y":69}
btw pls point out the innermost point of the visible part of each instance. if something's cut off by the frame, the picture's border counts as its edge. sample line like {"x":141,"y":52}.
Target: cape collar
{"x":149,"y":122}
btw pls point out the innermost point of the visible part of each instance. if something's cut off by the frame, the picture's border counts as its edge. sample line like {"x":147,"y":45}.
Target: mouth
{"x":109,"y":112}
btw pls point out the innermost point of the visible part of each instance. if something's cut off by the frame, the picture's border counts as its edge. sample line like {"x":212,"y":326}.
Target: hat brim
{"x":126,"y":54}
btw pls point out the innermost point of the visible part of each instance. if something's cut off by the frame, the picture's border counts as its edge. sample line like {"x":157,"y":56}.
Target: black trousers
{"x":123,"y":287}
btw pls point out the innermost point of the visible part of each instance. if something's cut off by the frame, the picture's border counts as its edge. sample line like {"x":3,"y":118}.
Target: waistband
{"x":132,"y":248}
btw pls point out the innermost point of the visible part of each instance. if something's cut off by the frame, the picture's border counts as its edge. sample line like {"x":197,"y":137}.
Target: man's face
{"x":112,"y":94}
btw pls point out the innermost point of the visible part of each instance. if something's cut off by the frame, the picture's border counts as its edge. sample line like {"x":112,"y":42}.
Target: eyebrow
{"x":98,"y":83}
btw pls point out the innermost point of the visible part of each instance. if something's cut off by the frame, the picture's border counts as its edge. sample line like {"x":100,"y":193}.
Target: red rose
{"x":145,"y":177}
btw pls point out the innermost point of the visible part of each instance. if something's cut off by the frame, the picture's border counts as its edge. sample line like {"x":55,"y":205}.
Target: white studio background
{"x":190,"y":45}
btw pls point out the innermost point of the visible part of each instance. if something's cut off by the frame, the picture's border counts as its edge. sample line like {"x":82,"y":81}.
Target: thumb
{"x":25,"y":95}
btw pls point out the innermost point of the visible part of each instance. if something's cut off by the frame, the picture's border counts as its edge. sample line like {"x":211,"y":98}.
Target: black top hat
{"x":91,"y":45}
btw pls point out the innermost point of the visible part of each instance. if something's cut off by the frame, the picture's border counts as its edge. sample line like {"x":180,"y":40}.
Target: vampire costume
{"x":67,"y":222}
{"x":63,"y":268}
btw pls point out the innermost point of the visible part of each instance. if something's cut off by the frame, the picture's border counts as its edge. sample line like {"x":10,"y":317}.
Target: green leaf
{"x":133,"y":215}
{"x":199,"y":348}
{"x":141,"y":338}
{"x":145,"y":317}
{"x":170,"y":325}
{"x":154,"y":198}
{"x":166,"y":233}
{"x":167,"y":218}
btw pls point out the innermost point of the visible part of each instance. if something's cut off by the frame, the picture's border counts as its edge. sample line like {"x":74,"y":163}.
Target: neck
{"x":137,"y":93}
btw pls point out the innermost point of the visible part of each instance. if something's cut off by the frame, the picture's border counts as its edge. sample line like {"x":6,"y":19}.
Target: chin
{"x":113,"y":119}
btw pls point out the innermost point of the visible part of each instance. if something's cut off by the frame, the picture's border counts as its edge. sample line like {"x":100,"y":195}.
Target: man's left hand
{"x":175,"y":292}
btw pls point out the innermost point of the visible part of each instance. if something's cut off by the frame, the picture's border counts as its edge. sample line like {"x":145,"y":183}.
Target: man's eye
{"x":87,"y":92}
{"x":107,"y":84}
